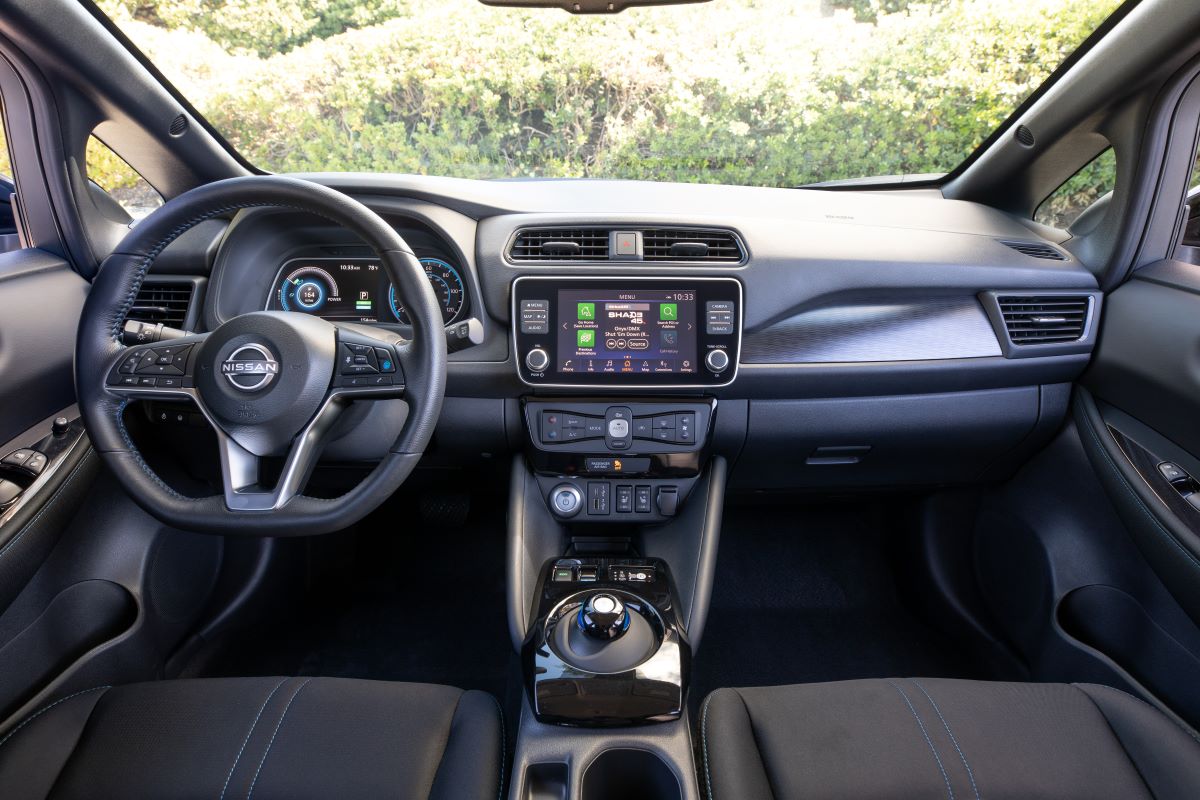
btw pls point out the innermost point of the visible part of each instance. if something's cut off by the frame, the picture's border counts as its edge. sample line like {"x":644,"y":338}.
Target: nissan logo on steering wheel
{"x":251,"y":367}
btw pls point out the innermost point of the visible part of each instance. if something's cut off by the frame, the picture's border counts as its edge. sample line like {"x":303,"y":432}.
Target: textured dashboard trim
{"x":878,"y":329}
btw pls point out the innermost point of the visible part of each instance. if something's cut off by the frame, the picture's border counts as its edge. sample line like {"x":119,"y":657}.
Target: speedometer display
{"x":358,"y":290}
{"x":447,"y":285}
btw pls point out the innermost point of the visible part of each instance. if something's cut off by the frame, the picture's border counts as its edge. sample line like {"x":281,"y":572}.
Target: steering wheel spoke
{"x":241,"y":470}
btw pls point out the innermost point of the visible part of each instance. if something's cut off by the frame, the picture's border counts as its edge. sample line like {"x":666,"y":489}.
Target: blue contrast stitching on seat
{"x":704,"y":742}
{"x":950,"y":733}
{"x":278,"y":725}
{"x":249,"y":733}
{"x":38,"y":713}
{"x":928,"y":741}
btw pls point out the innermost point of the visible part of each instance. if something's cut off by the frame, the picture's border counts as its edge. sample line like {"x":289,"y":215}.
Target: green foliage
{"x":763,"y":92}
{"x":1085,"y":187}
{"x":263,"y":26}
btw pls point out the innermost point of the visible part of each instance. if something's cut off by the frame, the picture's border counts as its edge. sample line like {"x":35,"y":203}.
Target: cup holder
{"x":626,"y":774}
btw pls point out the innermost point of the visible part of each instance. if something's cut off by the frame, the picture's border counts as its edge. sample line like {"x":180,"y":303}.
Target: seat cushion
{"x":931,"y":738}
{"x":258,"y":737}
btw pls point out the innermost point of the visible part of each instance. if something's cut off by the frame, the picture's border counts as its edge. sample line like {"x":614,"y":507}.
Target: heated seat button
{"x":641,"y":499}
{"x":624,"y":499}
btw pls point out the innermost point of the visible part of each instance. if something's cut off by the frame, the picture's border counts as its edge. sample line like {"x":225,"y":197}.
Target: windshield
{"x":757,"y":92}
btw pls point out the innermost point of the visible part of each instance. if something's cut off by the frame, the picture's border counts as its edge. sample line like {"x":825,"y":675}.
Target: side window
{"x":9,"y":239}
{"x":1082,"y":189}
{"x":120,"y":182}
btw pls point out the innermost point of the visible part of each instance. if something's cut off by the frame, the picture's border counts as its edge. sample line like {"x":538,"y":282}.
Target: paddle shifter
{"x":603,"y":616}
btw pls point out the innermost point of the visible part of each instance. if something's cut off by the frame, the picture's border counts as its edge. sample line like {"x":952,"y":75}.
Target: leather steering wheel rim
{"x":99,"y":351}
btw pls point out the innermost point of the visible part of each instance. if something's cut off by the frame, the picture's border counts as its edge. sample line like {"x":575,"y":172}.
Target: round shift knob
{"x":603,"y":616}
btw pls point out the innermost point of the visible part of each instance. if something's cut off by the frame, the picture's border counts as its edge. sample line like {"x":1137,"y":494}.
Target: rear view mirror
{"x":587,"y":6}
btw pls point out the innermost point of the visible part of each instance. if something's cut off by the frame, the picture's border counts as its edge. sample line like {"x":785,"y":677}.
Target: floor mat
{"x":807,"y":593}
{"x":419,"y":601}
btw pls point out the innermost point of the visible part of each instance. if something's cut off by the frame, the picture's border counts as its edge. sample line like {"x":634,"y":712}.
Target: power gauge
{"x":307,"y":290}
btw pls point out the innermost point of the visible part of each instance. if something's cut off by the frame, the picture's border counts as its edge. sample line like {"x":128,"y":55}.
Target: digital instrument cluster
{"x":358,"y":290}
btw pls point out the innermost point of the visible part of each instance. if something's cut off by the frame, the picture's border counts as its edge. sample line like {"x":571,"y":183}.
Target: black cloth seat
{"x":934,"y":738}
{"x":264,"y":738}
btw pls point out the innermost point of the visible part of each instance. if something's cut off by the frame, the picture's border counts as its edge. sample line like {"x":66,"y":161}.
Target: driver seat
{"x":258,"y":737}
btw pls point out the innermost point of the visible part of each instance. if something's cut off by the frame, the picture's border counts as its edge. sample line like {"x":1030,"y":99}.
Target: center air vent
{"x":622,"y":243}
{"x":560,"y":244}
{"x":1034,"y":249}
{"x":689,"y":244}
{"x":162,"y":301}
{"x":1038,"y":319}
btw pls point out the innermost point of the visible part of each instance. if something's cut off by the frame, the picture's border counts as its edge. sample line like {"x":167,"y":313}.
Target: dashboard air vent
{"x":560,"y":244}
{"x":1036,"y":319}
{"x":160,"y":301}
{"x":1035,"y":249}
{"x":690,"y":244}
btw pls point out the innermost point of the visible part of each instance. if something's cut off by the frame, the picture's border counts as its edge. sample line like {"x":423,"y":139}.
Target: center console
{"x":614,"y":520}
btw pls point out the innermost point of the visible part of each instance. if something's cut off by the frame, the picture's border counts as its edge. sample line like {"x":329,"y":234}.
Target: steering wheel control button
{"x":359,"y":359}
{"x":566,"y":500}
{"x":618,"y":428}
{"x":537,"y":360}
{"x":250,"y":368}
{"x":386,"y":360}
{"x":717,"y":360}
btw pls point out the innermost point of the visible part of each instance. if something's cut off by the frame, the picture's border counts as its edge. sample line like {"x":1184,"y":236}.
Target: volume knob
{"x":537,"y":359}
{"x":717,"y":360}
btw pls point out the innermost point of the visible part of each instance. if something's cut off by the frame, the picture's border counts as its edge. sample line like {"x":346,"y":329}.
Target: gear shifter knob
{"x":603,"y":616}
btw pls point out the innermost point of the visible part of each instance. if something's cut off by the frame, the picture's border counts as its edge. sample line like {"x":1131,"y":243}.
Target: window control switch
{"x":1172,"y":472}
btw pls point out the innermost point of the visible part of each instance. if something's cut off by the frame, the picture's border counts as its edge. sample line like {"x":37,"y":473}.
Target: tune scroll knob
{"x":717,"y":360}
{"x":537,"y":359}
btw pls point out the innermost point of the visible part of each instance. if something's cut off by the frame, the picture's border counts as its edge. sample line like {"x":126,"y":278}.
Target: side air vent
{"x":1035,"y":249}
{"x":560,"y":244}
{"x":1037,"y":319}
{"x":160,"y":301}
{"x":690,"y":244}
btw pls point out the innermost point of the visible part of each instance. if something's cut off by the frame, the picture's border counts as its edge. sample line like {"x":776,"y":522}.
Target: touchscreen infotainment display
{"x":626,"y":331}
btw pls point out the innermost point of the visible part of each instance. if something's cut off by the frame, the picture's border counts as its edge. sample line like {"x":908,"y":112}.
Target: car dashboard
{"x":856,"y":339}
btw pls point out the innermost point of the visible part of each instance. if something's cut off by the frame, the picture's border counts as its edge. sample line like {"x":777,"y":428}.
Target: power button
{"x":566,"y":500}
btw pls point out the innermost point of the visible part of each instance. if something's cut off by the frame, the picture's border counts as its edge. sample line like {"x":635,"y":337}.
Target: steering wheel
{"x":269,"y":383}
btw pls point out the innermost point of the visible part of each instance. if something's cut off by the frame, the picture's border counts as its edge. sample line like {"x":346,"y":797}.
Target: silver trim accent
{"x":268,"y":367}
{"x":514,"y":321}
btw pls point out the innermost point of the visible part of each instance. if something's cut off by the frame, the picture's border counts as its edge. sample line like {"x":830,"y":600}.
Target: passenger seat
{"x":932,"y":738}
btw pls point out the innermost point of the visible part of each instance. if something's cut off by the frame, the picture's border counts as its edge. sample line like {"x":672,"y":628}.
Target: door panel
{"x":1141,"y":409}
{"x":40,"y":301}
